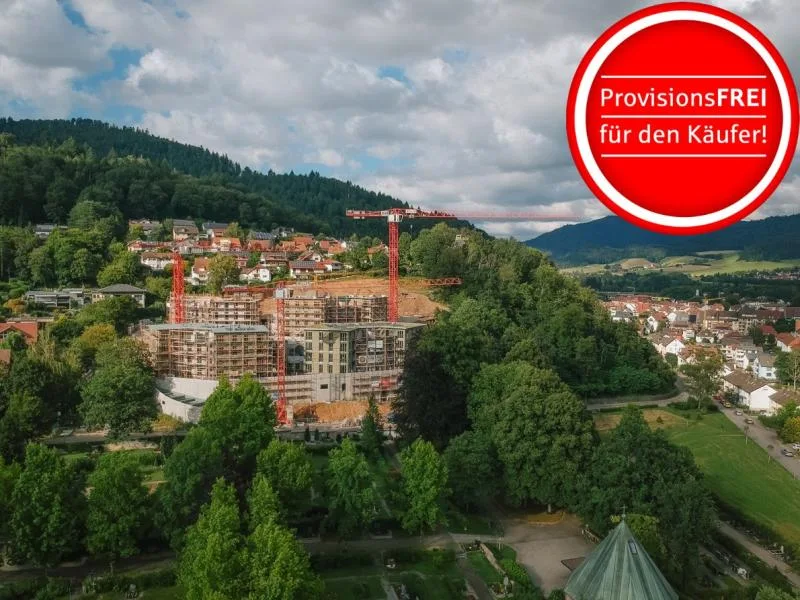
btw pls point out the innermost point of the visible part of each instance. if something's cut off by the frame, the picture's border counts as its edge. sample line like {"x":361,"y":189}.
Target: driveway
{"x":765,"y":437}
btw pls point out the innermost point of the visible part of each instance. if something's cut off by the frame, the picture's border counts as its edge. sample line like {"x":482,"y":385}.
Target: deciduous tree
{"x":222,"y":270}
{"x":48,"y":508}
{"x":704,"y":376}
{"x":788,"y":367}
{"x":424,"y":485}
{"x":120,"y":393}
{"x":372,"y":429}
{"x":118,"y":507}
{"x":212,"y":565}
{"x":472,"y":469}
{"x":351,"y":496}
{"x":288,"y":469}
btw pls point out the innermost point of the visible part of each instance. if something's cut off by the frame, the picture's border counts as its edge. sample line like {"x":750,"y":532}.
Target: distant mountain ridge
{"x":611,"y":238}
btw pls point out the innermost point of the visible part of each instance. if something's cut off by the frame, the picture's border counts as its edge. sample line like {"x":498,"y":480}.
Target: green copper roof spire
{"x":618,"y":569}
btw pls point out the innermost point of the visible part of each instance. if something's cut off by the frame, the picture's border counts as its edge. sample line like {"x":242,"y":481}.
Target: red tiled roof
{"x":29,"y":329}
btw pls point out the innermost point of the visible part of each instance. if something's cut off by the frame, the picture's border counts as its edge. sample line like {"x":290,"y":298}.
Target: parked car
{"x":738,"y":413}
{"x":749,"y":421}
{"x":727,"y":404}
{"x":787,"y":452}
{"x":796,"y":447}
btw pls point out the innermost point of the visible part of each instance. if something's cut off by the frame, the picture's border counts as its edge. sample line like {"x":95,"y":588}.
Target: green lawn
{"x":484,"y":568}
{"x":361,"y":588}
{"x":742,"y":474}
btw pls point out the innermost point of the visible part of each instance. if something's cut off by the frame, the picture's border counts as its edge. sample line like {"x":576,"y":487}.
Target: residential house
{"x":275,"y":260}
{"x":787,"y":341}
{"x":120,"y":290}
{"x":669,"y":344}
{"x":260,"y":245}
{"x":783,"y":397}
{"x":753,"y":393}
{"x":29,"y":330}
{"x":379,"y":249}
{"x":331,"y":266}
{"x":215,"y":230}
{"x":148,"y":227}
{"x":184,"y":230}
{"x":656,"y":322}
{"x":66,"y":298}
{"x":157,"y":261}
{"x":145,"y":246}
{"x":621,"y":315}
{"x":199,"y":273}
{"x":44,"y":230}
{"x":226,"y":244}
{"x":764,"y":367}
{"x":257,"y":273}
{"x":678,"y":318}
{"x":299,"y":269}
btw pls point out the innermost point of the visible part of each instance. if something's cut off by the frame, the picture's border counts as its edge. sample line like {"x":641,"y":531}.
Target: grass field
{"x":740,"y":473}
{"x":703,"y":263}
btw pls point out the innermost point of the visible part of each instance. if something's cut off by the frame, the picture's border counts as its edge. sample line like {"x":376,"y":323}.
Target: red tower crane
{"x":395,"y":215}
{"x":281,"y":292}
{"x":177,"y":287}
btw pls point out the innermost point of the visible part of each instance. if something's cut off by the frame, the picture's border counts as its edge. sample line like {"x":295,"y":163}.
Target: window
{"x":323,"y":386}
{"x":330,"y":357}
{"x":342,"y":369}
{"x":344,"y":387}
{"x":320,"y":346}
{"x":320,"y":368}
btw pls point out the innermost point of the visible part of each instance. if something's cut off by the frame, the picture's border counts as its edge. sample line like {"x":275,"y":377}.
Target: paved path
{"x":765,"y":555}
{"x":765,"y":437}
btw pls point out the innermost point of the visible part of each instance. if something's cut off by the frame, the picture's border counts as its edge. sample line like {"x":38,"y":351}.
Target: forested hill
{"x":612,"y":238}
{"x":298,"y":199}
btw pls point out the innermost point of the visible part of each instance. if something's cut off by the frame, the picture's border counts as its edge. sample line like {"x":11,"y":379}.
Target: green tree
{"x":542,"y":432}
{"x":772,"y":593}
{"x":222,"y":271}
{"x":791,"y":430}
{"x":279,"y":567}
{"x":212,"y":565}
{"x":9,"y":473}
{"x":703,"y":377}
{"x":351,"y":496}
{"x":233,"y":230}
{"x":472,"y":469}
{"x":242,"y":421}
{"x":124,"y":268}
{"x":263,"y":504}
{"x":24,"y":419}
{"x":120,"y":311}
{"x":372,"y":429}
{"x":118,"y":507}
{"x":640,"y":469}
{"x":288,"y":469}
{"x":48,"y":508}
{"x":646,"y":530}
{"x":84,"y":348}
{"x":277,"y":564}
{"x":190,"y":472}
{"x":424,"y":485}
{"x":120,"y":392}
{"x":788,"y":368}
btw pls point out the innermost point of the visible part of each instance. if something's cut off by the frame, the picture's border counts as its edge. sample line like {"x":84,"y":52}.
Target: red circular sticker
{"x":682,"y":118}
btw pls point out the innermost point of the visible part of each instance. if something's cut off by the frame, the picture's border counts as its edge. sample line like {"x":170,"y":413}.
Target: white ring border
{"x":582,"y":137}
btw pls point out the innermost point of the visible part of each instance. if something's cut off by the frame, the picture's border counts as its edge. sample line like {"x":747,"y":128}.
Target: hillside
{"x":611,"y":239}
{"x":291,"y":197}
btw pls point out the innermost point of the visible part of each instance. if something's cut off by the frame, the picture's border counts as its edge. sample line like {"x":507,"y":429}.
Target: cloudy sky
{"x":451,"y":104}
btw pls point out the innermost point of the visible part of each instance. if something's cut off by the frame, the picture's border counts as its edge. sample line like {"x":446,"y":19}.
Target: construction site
{"x":339,"y":347}
{"x":322,"y":347}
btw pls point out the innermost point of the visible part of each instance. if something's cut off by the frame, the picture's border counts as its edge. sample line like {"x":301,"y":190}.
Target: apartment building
{"x":207,"y":351}
{"x":310,"y":310}
{"x":217,"y":310}
{"x":357,"y":347}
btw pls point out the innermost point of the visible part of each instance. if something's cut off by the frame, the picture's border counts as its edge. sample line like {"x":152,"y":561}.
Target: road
{"x":765,"y":555}
{"x":765,"y":438}
{"x":658,"y":400}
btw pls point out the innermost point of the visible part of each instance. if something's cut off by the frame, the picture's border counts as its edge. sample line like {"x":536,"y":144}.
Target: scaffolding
{"x":204,"y":351}
{"x":217,"y":310}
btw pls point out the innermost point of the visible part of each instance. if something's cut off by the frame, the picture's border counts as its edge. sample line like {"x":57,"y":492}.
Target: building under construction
{"x":216,"y":310}
{"x":312,"y":309}
{"x":357,"y":347}
{"x":206,"y":351}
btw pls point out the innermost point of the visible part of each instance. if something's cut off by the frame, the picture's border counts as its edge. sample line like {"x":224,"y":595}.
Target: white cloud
{"x":477,"y":122}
